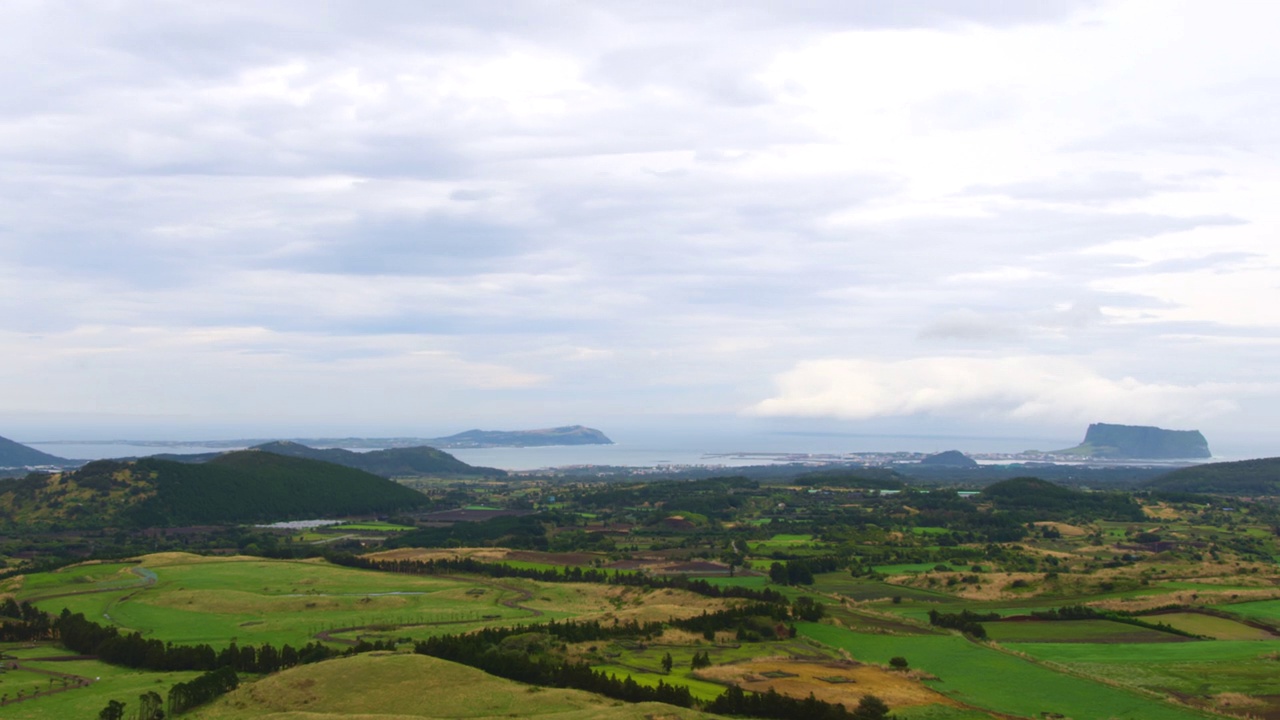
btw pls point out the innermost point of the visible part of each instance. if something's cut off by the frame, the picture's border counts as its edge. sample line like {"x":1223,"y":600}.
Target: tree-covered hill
{"x":392,"y":462}
{"x":1245,"y":477}
{"x":238,"y":487}
{"x":1043,"y":500}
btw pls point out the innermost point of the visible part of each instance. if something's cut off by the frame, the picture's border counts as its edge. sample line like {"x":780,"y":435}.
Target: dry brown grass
{"x":1064,"y":528}
{"x":895,"y":688}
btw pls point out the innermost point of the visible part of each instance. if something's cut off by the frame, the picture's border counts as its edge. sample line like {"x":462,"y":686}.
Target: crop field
{"x":1218,"y":628}
{"x":984,"y":677}
{"x":1076,"y":631}
{"x":414,"y":686}
{"x":1265,"y":610}
{"x":1214,"y":673}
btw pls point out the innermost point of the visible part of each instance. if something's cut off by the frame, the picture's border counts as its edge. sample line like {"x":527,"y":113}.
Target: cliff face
{"x":1134,"y":442}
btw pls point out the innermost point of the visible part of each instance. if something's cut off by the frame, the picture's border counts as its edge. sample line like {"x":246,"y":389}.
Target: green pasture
{"x":1211,"y":626}
{"x":110,"y":683}
{"x":80,"y":578}
{"x":259,"y":601}
{"x":1265,"y":610}
{"x":1076,"y":631}
{"x":987,"y":678}
{"x":1197,"y":668}
{"x":700,"y":689}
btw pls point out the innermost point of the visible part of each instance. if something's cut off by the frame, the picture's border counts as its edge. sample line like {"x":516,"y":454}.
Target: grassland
{"x":984,"y":677}
{"x":414,"y":686}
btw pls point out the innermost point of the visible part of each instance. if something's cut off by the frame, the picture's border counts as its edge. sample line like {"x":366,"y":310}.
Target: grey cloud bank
{"x":420,"y":217}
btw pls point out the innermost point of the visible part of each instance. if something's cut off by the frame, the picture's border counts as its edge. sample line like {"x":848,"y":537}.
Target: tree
{"x":150,"y":706}
{"x":871,"y":707}
{"x":113,"y":711}
{"x":667,"y":662}
{"x":898,"y":662}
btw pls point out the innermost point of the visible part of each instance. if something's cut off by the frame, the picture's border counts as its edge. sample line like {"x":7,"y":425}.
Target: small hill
{"x":238,"y":487}
{"x":950,"y":458}
{"x":1245,"y":477}
{"x":566,"y":435}
{"x":392,"y":462}
{"x":1139,"y":442}
{"x":1044,"y":500}
{"x":378,"y":685}
{"x":16,"y":455}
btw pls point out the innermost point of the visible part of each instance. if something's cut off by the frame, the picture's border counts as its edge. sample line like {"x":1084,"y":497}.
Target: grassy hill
{"x":245,"y":486}
{"x":1245,"y":477}
{"x":415,"y":686}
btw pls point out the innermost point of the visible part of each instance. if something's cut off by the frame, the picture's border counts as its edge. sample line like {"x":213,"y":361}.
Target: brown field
{"x":835,"y":682}
{"x":1064,"y":528}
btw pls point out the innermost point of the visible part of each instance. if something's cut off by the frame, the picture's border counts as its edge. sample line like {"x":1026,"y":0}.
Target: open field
{"x":1218,"y":628}
{"x":109,"y":683}
{"x":984,"y":677}
{"x":414,"y":686}
{"x":1205,"y":672}
{"x":223,"y":600}
{"x":1077,"y":631}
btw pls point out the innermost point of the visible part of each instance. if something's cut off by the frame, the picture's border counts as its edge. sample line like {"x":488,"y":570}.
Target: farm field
{"x":1215,"y":674}
{"x":1076,"y":631}
{"x":987,"y":678}
{"x":1218,"y":628}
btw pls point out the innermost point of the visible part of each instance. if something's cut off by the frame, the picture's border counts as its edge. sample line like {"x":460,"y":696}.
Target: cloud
{"x":1039,"y":389}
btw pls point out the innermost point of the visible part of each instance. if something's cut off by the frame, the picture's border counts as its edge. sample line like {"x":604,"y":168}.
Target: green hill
{"x":1245,"y":477}
{"x":237,"y":487}
{"x":1139,"y":442}
{"x":1044,"y":500}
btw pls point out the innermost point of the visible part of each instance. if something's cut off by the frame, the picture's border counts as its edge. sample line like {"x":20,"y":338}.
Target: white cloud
{"x":1037,"y":389}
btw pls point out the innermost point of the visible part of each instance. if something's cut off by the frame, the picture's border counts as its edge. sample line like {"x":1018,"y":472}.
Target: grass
{"x":1265,"y":610}
{"x":1196,"y":668}
{"x":112,"y":683}
{"x":413,"y":686}
{"x":218,"y":601}
{"x":983,"y":677}
{"x":1211,"y":626}
{"x":1077,"y":631}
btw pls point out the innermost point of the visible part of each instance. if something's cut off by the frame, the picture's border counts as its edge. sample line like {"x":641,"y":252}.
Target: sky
{"x":977,"y":217}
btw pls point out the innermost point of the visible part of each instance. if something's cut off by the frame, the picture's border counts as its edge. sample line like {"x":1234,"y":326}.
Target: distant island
{"x":1139,"y":442}
{"x":566,"y":435}
{"x":949,"y":458}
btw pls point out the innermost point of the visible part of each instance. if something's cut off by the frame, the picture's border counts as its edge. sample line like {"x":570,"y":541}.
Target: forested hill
{"x":238,"y":487}
{"x":16,"y":455}
{"x":392,"y":462}
{"x":1042,"y":500}
{"x":1245,"y":477}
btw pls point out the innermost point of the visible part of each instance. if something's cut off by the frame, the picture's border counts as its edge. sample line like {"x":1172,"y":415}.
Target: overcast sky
{"x":971,"y":216}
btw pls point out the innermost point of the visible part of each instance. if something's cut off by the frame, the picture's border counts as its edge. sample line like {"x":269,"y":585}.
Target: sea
{"x":641,"y":450}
